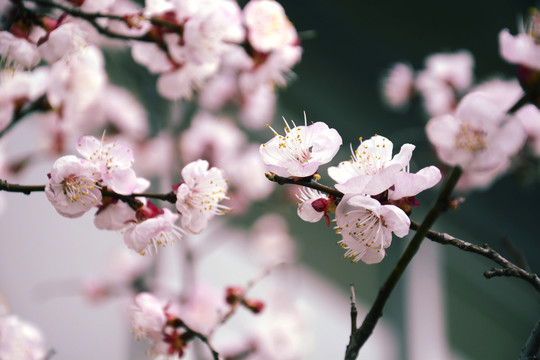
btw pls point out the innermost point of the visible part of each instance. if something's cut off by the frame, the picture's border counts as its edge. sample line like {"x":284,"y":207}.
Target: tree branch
{"x":508,"y":269}
{"x":376,"y":311}
{"x":304,"y":182}
{"x":131,"y":200}
{"x":530,"y":350}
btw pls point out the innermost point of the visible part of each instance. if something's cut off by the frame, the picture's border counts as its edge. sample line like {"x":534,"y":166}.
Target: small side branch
{"x":204,"y":339}
{"x":25,"y":189}
{"x":507,"y":268}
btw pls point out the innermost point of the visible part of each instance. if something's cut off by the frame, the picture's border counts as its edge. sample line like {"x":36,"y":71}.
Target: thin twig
{"x":508,"y":269}
{"x":40,"y":104}
{"x":241,"y":299}
{"x":532,"y":346}
{"x":376,"y":311}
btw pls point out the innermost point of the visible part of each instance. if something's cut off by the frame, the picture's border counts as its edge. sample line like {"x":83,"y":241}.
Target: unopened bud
{"x":233,"y":294}
{"x":256,"y":306}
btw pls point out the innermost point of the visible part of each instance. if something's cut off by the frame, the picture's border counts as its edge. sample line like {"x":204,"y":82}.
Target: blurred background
{"x":444,"y":309}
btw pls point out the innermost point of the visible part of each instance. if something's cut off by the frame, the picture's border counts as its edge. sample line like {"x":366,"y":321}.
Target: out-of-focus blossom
{"x":145,"y":153}
{"x":371,"y":169}
{"x":147,"y":317}
{"x":529,"y":116}
{"x":20,"y":340}
{"x":182,"y":82}
{"x":445,"y":76}
{"x":302,"y":150}
{"x":64,"y":42}
{"x":478,"y":137}
{"x":124,"y":112}
{"x":159,"y":229}
{"x":268,"y":26}
{"x":217,"y":140}
{"x":519,"y":49}
{"x":272,"y":241}
{"x":114,"y":161}
{"x":72,"y":187}
{"x":199,"y":196}
{"x":455,"y":69}
{"x":367,"y":226}
{"x":398,"y":85}
{"x":17,"y":51}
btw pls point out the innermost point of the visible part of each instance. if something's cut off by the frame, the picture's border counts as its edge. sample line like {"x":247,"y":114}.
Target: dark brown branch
{"x":303,"y":182}
{"x":376,"y":311}
{"x":530,"y":350}
{"x":203,"y":338}
{"x":508,"y":268}
{"x":131,"y":200}
{"x":354,"y":311}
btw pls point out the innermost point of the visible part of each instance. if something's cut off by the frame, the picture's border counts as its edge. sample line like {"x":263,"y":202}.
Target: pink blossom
{"x":268,"y":26}
{"x":367,"y":226}
{"x":302,"y":150}
{"x":371,"y":169}
{"x":217,"y":140}
{"x":158,"y":230}
{"x":408,"y":184}
{"x":312,"y":204}
{"x":64,"y":42}
{"x":529,"y":116}
{"x":199,"y":196}
{"x":272,"y":241}
{"x":455,"y":69}
{"x":398,"y":86}
{"x":18,"y":51}
{"x":73,"y":186}
{"x":520,"y":49}
{"x":182,"y":82}
{"x":20,"y":340}
{"x":209,"y":31}
{"x":478,"y":137}
{"x":113,"y":160}
{"x":148,"y":318}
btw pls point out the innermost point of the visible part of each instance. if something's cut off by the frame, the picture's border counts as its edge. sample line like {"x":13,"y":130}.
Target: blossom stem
{"x":376,"y":311}
{"x":508,"y":268}
{"x":302,"y":182}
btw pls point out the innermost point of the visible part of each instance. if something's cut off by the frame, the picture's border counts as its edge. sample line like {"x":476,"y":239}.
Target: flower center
{"x":470,"y":139}
{"x":79,"y":189}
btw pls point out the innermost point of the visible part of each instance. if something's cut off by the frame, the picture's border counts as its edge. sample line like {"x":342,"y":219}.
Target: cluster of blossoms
{"x":171,"y":326}
{"x":476,"y":127}
{"x":52,"y":62}
{"x":103,"y":178}
{"x":378,"y":189}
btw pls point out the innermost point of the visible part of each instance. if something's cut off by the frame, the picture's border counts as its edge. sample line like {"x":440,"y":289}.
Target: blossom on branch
{"x":371,"y":169}
{"x":367,"y":226}
{"x":199,"y":196}
{"x":20,"y":340}
{"x":302,"y":150}
{"x":113,"y":160}
{"x":73,"y":186}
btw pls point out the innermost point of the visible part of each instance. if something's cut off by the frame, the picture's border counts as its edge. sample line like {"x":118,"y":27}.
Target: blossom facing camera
{"x":302,"y":150}
{"x":371,"y":169}
{"x":199,"y":197}
{"x":367,"y":226}
{"x":72,"y":187}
